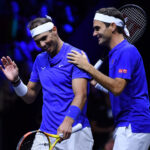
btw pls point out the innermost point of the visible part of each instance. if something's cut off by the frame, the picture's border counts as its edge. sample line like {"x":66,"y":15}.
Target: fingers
{"x":75,"y":52}
{"x":14,"y":64}
{"x":9,"y":60}
{"x":83,"y":53}
{"x":64,"y":134}
{"x":73,"y":56}
{"x":6,"y":61}
{"x":64,"y":130}
{"x":71,"y":60}
{"x":1,"y":68}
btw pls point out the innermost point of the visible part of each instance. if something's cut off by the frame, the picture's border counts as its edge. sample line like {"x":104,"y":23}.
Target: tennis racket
{"x":136,"y":21}
{"x":27,"y":140}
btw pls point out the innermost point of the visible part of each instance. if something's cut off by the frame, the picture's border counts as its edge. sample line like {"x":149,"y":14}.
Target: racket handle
{"x":77,"y":127}
{"x":101,"y":88}
{"x":98,"y":64}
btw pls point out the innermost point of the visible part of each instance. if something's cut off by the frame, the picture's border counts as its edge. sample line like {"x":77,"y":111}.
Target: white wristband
{"x":21,"y":89}
{"x":98,"y":64}
{"x":101,"y":88}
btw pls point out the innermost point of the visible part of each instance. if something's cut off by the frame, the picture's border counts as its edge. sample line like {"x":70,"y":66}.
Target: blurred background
{"x":74,"y":20}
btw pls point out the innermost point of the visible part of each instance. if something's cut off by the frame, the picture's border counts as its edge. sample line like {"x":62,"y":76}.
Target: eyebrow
{"x":40,"y":38}
{"x":96,"y":27}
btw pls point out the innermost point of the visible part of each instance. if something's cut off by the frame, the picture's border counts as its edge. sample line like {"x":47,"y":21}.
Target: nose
{"x":94,"y":33}
{"x":42,"y":44}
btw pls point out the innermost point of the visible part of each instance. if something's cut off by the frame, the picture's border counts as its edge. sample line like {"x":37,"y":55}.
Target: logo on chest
{"x":43,"y":68}
{"x":60,"y":65}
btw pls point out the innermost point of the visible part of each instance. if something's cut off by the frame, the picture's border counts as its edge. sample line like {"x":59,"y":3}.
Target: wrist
{"x":88,"y":67}
{"x":69,"y":120}
{"x":73,"y":112}
{"x":20,"y":88}
{"x":16,"y":82}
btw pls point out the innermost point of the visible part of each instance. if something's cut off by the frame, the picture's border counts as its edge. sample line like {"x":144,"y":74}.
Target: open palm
{"x":10,"y":69}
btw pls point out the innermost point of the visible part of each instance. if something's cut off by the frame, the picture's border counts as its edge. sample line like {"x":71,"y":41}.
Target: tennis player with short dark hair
{"x":126,"y":81}
{"x":64,"y":88}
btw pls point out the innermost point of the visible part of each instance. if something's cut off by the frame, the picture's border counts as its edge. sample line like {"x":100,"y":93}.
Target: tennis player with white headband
{"x":111,"y":19}
{"x":126,"y":83}
{"x":64,"y":88}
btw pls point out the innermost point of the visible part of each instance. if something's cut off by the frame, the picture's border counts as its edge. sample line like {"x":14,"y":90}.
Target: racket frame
{"x":58,"y":137}
{"x":126,"y":6}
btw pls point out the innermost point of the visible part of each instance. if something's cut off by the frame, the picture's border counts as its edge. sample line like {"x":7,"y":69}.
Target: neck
{"x":116,"y":39}
{"x":57,"y":48}
{"x":60,"y":44}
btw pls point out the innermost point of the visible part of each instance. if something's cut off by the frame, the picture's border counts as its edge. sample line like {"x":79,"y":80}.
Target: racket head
{"x":136,"y":21}
{"x":27,"y":140}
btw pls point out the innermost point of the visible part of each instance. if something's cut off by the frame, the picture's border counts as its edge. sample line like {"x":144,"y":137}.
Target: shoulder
{"x":42,"y":54}
{"x":130,"y":49}
{"x":41,"y":57}
{"x":130,"y":52}
{"x":71,"y":47}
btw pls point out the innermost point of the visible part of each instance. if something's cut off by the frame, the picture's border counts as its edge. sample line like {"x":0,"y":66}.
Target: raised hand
{"x":9,"y":68}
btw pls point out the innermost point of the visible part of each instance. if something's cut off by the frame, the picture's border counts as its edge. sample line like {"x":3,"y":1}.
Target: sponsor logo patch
{"x":122,"y":70}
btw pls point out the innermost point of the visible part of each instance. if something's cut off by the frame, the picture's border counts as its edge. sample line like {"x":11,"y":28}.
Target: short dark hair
{"x":112,"y":11}
{"x":38,"y":21}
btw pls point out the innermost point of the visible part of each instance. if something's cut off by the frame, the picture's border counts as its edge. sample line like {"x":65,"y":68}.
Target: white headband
{"x":111,"y":19}
{"x":42,"y":28}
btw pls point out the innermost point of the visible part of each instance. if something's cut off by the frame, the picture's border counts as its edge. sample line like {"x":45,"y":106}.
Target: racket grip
{"x":101,"y":88}
{"x":98,"y":64}
{"x":77,"y":127}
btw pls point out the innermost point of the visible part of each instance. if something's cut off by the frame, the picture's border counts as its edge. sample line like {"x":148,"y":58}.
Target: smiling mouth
{"x":99,"y":39}
{"x":47,"y":47}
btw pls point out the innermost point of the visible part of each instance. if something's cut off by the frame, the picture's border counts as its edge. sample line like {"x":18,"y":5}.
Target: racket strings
{"x":28,"y":141}
{"x":136,"y":22}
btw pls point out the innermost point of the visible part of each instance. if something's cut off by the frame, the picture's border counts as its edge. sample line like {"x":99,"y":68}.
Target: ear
{"x":113,"y":27}
{"x":54,"y":28}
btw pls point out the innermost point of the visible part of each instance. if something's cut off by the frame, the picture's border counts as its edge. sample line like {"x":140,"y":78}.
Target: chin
{"x":100,"y":43}
{"x":50,"y":50}
{"x":103,"y":42}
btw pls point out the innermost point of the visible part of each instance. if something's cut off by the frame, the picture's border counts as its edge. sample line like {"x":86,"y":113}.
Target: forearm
{"x":79,"y":101}
{"x":104,"y":80}
{"x":29,"y":97}
{"x":116,"y":85}
{"x":27,"y":92}
{"x":79,"y":88}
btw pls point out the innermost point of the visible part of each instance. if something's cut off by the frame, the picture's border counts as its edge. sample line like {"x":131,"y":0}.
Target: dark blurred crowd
{"x":16,"y":117}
